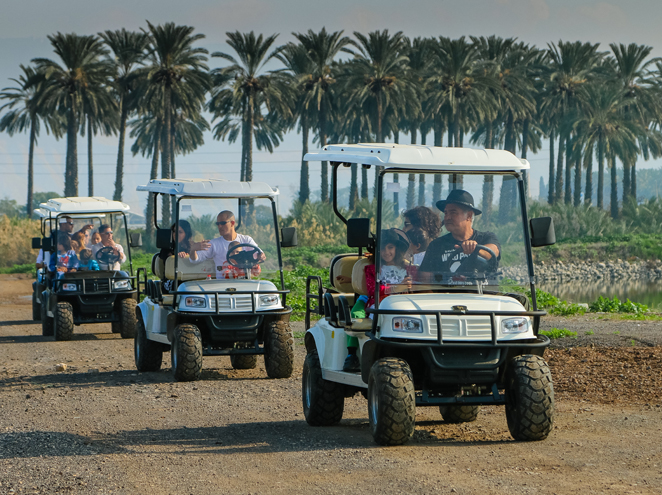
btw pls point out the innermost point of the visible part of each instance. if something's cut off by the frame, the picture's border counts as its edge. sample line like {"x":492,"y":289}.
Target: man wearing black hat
{"x":445,"y":258}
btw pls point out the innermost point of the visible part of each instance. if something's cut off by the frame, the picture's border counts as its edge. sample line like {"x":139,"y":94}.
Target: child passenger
{"x":86,"y":261}
{"x":419,"y":242}
{"x":231,"y":271}
{"x":395,"y":277}
{"x":65,"y":259}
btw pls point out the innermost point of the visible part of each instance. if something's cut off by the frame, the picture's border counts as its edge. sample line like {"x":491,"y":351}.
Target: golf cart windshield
{"x":481,"y":244}
{"x":253,"y":254}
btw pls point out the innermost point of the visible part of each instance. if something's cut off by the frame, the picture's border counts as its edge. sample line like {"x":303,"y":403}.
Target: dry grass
{"x":16,"y":241}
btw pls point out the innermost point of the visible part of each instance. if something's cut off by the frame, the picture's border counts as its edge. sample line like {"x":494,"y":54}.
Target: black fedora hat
{"x":459,"y":197}
{"x":392,"y":236}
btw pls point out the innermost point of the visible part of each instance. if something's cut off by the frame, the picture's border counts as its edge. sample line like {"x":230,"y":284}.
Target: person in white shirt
{"x":107,"y":241}
{"x":217,"y":249}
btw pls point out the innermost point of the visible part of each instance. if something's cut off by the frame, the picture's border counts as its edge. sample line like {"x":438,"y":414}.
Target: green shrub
{"x":558,"y":333}
{"x":606,"y":305}
{"x":565,"y":308}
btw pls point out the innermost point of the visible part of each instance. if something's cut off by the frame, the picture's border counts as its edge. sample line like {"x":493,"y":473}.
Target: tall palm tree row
{"x":596,"y":108}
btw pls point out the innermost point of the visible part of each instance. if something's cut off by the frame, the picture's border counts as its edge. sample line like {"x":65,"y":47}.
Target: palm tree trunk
{"x":508,"y":183}
{"x":33,"y":138}
{"x":438,"y":136}
{"x":626,"y":181}
{"x":71,"y":170}
{"x":304,"y":184}
{"x":588,"y":191}
{"x":633,"y":181}
{"x":364,"y":183}
{"x":614,"y":187}
{"x":249,"y":157}
{"x":568,"y":170}
{"x":396,"y":178}
{"x":165,"y":156}
{"x":90,"y":165}
{"x":119,"y":172}
{"x":550,"y":183}
{"x":325,"y":165}
{"x":173,"y":206}
{"x":380,"y":138}
{"x":421,"y":177}
{"x":525,"y":147}
{"x":488,"y":180}
{"x":354,"y":187}
{"x":558,"y":183}
{"x":153,"y":174}
{"x":578,"y":179}
{"x":601,"y":172}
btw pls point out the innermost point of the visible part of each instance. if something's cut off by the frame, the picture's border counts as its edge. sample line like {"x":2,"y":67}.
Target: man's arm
{"x":120,"y":251}
{"x":201,"y":251}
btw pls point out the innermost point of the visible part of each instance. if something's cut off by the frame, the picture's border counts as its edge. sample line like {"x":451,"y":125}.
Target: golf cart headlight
{"x":269,"y":300}
{"x":122,"y":284}
{"x":515,"y":325}
{"x":195,"y":302}
{"x":69,"y":287}
{"x":410,"y":325}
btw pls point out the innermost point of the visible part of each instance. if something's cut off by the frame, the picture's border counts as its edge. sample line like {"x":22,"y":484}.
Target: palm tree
{"x":70,"y":87}
{"x":241,"y":94}
{"x":175,"y":78}
{"x":128,"y":50}
{"x":379,"y":73}
{"x":569,"y":67}
{"x":322,"y":48}
{"x":24,"y":113}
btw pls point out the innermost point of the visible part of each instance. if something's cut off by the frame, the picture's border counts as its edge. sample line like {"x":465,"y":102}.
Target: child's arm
{"x":93,"y":265}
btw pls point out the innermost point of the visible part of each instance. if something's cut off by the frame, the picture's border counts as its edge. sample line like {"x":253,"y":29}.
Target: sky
{"x":25,"y":25}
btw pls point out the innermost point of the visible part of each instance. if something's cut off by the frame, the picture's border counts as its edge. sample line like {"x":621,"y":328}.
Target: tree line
{"x":592,"y":105}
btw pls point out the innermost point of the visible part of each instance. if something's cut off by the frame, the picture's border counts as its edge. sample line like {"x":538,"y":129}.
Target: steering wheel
{"x":248,"y":258}
{"x":483,"y":264}
{"x":107,"y":255}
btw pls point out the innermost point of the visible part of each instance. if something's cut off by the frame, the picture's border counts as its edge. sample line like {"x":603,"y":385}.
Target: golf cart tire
{"x":391,"y":401}
{"x":64,"y":321}
{"x":128,"y":318}
{"x":147,"y":353}
{"x":529,"y":398}
{"x":47,"y":323}
{"x":279,"y":350}
{"x":323,"y":400}
{"x":459,"y":414}
{"x":243,"y":361}
{"x":36,"y":307}
{"x":115,"y":326}
{"x":186,"y":353}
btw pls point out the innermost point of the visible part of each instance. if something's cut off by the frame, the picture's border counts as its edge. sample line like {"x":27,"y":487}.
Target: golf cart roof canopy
{"x":417,"y":157}
{"x":210,"y":188}
{"x":75,"y":206}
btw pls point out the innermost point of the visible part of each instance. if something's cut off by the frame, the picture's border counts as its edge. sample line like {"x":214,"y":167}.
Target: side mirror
{"x":136,"y":240}
{"x":288,"y":237}
{"x":542,"y":231}
{"x":36,"y":243}
{"x":164,"y":239}
{"x":358,"y":232}
{"x":47,"y":244}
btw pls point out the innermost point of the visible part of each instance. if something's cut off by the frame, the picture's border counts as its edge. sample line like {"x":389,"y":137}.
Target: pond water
{"x":576,"y":291}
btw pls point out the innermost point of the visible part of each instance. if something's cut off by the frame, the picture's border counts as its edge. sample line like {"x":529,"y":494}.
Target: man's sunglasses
{"x":107,"y":232}
{"x":223,"y":223}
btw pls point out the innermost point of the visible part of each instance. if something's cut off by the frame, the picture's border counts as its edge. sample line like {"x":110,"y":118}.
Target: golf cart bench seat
{"x":186,"y":269}
{"x":337,"y":305}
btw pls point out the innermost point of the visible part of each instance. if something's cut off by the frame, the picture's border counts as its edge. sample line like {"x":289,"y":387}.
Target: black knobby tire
{"x":47,"y":323}
{"x":128,"y":318}
{"x":64,"y":321}
{"x":323,"y":401}
{"x":279,"y":350}
{"x":391,"y":401}
{"x":147,"y":353}
{"x":36,"y":307}
{"x":243,"y":361}
{"x":186,"y":353}
{"x":459,"y":413}
{"x":529,"y":398}
{"x":115,"y":326}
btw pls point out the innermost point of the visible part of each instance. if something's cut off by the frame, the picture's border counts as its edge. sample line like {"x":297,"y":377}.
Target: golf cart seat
{"x":189,"y":271}
{"x":343,"y":265}
{"x":359,"y":287}
{"x":158,"y":267}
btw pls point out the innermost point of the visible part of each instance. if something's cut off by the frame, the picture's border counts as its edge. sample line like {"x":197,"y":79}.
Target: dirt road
{"x":101,"y":427}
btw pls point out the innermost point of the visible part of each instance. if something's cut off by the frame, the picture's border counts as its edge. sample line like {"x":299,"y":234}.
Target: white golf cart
{"x":464,"y":338}
{"x":242,"y":314}
{"x":83,"y":297}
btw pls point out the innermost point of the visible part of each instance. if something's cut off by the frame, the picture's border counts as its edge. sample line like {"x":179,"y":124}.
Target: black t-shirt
{"x":438,"y":258}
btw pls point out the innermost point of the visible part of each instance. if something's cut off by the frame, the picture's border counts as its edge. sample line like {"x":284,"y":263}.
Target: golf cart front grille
{"x":97,"y":285}
{"x":476,"y":327}
{"x":238,"y":302}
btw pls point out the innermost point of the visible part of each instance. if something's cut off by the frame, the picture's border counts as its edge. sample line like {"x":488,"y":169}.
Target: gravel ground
{"x":101,"y":427}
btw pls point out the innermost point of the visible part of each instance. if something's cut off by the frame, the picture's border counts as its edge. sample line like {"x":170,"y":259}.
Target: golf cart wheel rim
{"x":373,"y":406}
{"x":308,"y":386}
